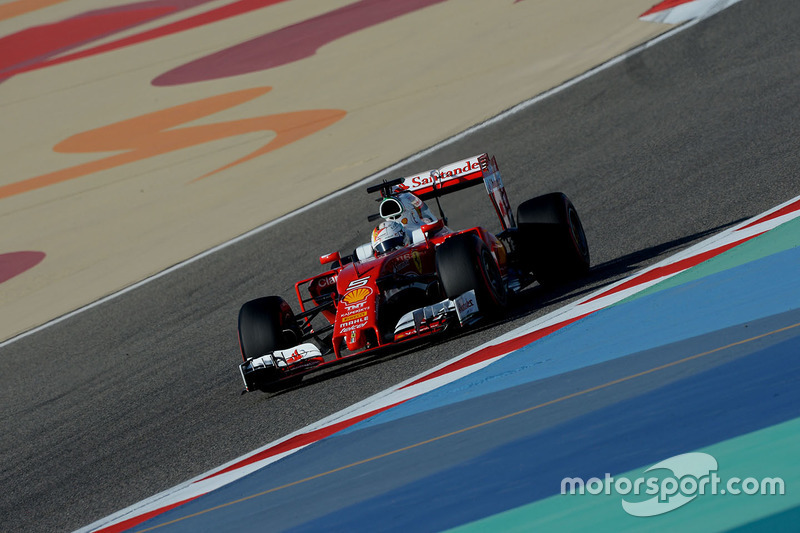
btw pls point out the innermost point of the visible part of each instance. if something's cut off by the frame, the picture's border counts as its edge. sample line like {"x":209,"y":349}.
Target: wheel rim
{"x":493,"y":277}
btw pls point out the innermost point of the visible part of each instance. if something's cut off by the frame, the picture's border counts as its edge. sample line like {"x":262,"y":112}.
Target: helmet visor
{"x":389,"y":244}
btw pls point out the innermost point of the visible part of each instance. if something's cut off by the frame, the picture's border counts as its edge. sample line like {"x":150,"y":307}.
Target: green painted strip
{"x":770,"y":452}
{"x":785,"y":521}
{"x":782,"y":238}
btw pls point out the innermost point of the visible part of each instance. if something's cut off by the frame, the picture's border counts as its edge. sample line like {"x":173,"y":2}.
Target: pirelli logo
{"x":351,"y":318}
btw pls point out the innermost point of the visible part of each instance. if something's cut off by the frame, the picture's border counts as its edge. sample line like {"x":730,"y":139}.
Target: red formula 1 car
{"x":416,"y":277}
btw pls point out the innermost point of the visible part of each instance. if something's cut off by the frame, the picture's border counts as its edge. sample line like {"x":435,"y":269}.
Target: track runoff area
{"x":587,"y":400}
{"x":584,"y":415}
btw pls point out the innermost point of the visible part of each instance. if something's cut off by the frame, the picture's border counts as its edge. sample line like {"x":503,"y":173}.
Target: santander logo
{"x":463,"y":306}
{"x":426,"y":181}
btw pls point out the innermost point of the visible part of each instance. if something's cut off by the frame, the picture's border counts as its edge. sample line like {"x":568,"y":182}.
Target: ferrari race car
{"x":416,"y":278}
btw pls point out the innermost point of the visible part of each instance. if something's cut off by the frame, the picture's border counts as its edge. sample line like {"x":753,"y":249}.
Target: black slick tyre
{"x":464,"y":263}
{"x":265,"y":325}
{"x":553,"y":242}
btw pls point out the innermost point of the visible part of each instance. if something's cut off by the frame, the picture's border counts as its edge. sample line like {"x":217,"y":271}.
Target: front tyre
{"x":266,"y":325}
{"x":464,"y":263}
{"x":553,"y":244}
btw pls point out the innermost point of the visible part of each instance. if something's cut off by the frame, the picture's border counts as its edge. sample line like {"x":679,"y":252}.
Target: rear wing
{"x":460,"y":175}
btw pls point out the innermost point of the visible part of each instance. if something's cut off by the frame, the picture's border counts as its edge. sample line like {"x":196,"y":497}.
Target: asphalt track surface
{"x":138,"y":394}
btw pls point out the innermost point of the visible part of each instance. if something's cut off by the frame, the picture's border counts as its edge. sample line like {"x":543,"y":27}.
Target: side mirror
{"x":428,"y":229}
{"x":330,"y":258}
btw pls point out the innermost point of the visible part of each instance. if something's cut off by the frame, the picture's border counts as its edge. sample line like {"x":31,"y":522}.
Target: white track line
{"x":688,"y":11}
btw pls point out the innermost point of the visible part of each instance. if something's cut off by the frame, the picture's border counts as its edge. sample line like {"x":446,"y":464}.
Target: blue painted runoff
{"x":735,"y":296}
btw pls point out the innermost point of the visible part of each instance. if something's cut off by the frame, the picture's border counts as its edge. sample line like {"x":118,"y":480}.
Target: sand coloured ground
{"x":115,"y":178}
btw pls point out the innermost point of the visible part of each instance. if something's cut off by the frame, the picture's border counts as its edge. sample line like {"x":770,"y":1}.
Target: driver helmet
{"x":388,"y":236}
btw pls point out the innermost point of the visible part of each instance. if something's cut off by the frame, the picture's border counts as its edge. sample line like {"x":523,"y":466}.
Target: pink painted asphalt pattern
{"x":33,"y":47}
{"x":292,"y":43}
{"x":66,"y":35}
{"x":15,"y":263}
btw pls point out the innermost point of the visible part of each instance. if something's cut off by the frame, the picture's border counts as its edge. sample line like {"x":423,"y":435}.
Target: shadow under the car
{"x":535,"y":297}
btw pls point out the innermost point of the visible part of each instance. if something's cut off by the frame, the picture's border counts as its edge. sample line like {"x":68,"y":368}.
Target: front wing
{"x":273,"y":367}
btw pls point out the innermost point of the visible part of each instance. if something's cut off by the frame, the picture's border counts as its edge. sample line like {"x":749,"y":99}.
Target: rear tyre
{"x":465,"y":263}
{"x":553,"y":243}
{"x":265,"y":325}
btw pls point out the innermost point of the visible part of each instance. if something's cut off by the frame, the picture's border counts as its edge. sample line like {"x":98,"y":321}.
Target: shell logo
{"x":357,"y":295}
